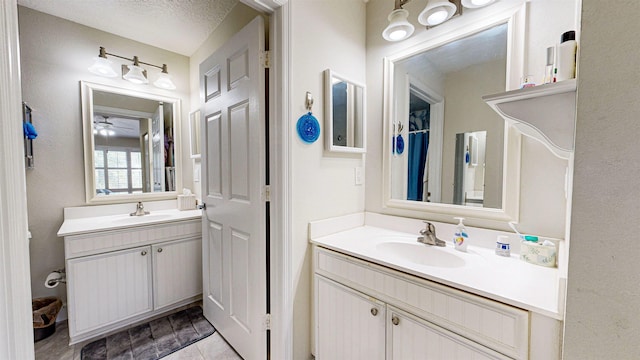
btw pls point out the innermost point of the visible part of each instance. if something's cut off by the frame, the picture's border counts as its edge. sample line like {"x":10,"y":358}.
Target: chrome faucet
{"x":139,"y":210}
{"x":428,"y":235}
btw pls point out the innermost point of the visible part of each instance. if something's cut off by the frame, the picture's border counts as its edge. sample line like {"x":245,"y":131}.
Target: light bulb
{"x":136,"y":75}
{"x":436,"y":12}
{"x":102,"y":67}
{"x":399,"y":28}
{"x":164,"y":82}
{"x":437,"y":17}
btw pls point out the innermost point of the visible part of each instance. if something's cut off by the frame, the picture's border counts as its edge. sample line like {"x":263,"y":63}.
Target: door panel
{"x":234,"y":222}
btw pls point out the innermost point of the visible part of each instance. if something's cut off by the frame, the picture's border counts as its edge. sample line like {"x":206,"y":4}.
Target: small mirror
{"x":448,"y":151}
{"x":194,"y":134}
{"x":344,"y":114}
{"x":130,"y":144}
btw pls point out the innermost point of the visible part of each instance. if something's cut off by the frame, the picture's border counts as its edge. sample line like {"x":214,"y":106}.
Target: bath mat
{"x":153,"y":340}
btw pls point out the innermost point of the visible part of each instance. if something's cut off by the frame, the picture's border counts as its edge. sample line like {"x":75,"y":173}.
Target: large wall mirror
{"x":130,"y":140}
{"x":447,"y":150}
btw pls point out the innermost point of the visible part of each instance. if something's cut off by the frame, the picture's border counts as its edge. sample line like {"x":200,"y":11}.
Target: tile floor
{"x":56,"y":347}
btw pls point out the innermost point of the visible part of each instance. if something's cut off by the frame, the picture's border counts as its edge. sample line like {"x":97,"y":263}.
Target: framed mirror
{"x":345,"y":129}
{"x":446,"y":150}
{"x":194,"y":134}
{"x":130,"y":144}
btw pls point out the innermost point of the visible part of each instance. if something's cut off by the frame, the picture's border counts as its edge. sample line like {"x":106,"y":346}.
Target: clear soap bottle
{"x":460,"y":237}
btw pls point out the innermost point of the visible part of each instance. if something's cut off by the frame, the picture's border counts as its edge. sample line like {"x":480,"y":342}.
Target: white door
{"x":232,"y":84}
{"x":412,"y":338}
{"x":349,"y":324}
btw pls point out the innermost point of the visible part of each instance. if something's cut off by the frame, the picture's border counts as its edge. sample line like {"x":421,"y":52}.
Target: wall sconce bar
{"x":133,"y":73}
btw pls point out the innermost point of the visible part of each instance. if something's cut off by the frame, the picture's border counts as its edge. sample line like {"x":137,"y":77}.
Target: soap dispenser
{"x":460,"y":238}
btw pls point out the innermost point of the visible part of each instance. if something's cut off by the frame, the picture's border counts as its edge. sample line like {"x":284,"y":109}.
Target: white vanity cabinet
{"x":119,"y":276}
{"x":177,"y":270}
{"x":350,"y":324}
{"x":106,"y":288}
{"x":422,"y":319}
{"x":410,"y":337}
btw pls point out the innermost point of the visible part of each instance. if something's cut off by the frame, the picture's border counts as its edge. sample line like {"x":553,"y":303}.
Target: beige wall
{"x":603,"y":300}
{"x":55,"y":55}
{"x":324,"y":34}
{"x":542,"y":202}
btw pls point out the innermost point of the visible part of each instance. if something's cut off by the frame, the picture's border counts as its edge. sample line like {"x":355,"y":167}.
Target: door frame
{"x":16,"y":334}
{"x":16,"y":329}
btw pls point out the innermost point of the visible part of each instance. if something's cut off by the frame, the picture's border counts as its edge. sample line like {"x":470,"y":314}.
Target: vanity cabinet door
{"x":349,"y":324}
{"x":410,"y":337}
{"x":177,"y":269}
{"x":108,"y":288}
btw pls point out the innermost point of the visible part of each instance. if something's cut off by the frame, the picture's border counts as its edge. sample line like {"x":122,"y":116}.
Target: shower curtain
{"x":418,"y":146}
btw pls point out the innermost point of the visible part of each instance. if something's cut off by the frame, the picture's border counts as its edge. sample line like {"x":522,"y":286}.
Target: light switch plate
{"x":359,"y":179}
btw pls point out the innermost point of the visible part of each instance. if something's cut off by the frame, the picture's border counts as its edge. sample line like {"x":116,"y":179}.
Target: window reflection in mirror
{"x":439,"y":92}
{"x":122,"y":127}
{"x":130,"y":150}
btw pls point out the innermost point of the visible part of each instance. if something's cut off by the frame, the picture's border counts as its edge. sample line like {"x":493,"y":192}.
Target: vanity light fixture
{"x":438,"y":11}
{"x":435,"y":13}
{"x":133,"y":73}
{"x":399,"y":28}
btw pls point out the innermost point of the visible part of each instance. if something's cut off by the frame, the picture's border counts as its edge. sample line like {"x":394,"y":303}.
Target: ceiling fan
{"x":104,"y":127}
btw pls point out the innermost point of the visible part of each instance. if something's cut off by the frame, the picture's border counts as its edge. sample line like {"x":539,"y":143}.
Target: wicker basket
{"x":45,"y":310}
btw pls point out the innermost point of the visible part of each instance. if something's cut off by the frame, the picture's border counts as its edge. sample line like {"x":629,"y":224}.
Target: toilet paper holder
{"x":55,"y":278}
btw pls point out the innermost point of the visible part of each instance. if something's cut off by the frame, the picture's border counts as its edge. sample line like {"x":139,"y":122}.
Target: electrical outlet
{"x":359,"y":179}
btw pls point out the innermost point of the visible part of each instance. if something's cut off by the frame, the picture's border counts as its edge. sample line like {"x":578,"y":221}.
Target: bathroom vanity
{"x":379,"y":294}
{"x":122,"y":269}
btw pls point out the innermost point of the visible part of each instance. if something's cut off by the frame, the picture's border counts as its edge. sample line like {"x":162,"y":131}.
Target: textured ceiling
{"x":180,"y":26}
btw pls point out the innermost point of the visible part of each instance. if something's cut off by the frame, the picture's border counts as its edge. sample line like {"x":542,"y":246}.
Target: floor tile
{"x":191,"y":352}
{"x":215,"y":348}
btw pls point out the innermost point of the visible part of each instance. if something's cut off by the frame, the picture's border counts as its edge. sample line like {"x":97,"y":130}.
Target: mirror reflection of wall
{"x":438,"y":94}
{"x":133,"y":145}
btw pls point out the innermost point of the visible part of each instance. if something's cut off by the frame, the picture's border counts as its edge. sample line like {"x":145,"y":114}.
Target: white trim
{"x":267,"y":6}
{"x":16,"y":330}
{"x":280,"y":164}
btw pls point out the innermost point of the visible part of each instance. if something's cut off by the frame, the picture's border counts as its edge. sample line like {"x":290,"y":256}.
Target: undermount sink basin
{"x":421,"y":254}
{"x":141,"y":219}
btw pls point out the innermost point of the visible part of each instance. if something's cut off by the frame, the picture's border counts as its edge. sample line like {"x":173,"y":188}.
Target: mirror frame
{"x":194,"y":134}
{"x":515,"y":19}
{"x":328,"y":114}
{"x":87,"y":89}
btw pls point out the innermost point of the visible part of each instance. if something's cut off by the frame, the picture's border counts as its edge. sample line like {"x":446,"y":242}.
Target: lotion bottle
{"x":460,"y":238}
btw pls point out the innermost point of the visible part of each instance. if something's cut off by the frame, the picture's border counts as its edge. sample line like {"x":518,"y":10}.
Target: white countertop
{"x":505,"y":279}
{"x":83,"y":225}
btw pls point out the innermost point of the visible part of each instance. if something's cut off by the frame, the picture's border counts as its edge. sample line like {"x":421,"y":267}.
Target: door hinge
{"x":265,"y":58}
{"x":267,"y":193}
{"x":267,"y":321}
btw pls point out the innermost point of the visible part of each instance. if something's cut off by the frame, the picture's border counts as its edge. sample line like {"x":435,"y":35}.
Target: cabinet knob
{"x":159,"y":249}
{"x":374,"y":311}
{"x":395,"y":320}
{"x":143,"y":253}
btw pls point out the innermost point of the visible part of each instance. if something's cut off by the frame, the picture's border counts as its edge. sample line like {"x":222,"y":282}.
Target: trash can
{"x":45,"y":310}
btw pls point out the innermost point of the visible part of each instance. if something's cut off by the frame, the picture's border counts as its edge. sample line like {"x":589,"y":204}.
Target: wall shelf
{"x":545,"y":113}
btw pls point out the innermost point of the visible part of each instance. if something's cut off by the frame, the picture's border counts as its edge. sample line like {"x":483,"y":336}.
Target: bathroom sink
{"x":141,"y":219}
{"x":421,"y":254}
